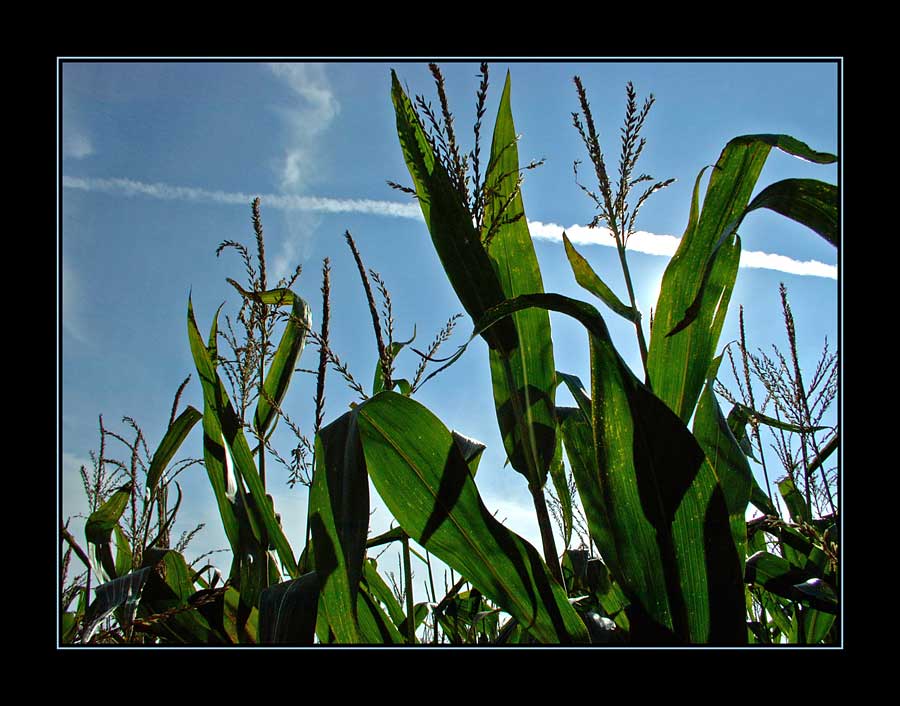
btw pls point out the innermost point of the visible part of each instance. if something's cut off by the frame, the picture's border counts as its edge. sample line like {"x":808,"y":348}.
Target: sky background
{"x":160,"y":160}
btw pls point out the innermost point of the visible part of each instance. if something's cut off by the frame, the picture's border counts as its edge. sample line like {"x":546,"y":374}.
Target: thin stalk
{"x":642,"y":343}
{"x":540,"y":505}
{"x":410,"y":606}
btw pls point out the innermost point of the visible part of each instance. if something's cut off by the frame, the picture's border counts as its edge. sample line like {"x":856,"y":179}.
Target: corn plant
{"x":658,"y":473}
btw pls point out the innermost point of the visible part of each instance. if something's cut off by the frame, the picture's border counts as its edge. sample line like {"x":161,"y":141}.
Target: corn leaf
{"x":227,"y":454}
{"x":811,"y":202}
{"x":523,"y":379}
{"x":339,"y":522}
{"x":172,"y":440}
{"x":287,"y":611}
{"x":727,"y":459}
{"x":99,"y":528}
{"x":668,"y":519}
{"x":796,"y":505}
{"x":590,"y":280}
{"x":424,"y":480}
{"x":697,"y":285}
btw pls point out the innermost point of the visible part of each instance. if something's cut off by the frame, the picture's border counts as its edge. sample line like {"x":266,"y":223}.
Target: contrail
{"x":641,"y":241}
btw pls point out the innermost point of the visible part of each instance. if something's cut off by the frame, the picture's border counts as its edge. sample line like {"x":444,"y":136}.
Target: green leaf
{"x":229,"y":459}
{"x":424,"y":480}
{"x":339,"y":521}
{"x":727,"y":459}
{"x":99,"y":528}
{"x":287,"y":611}
{"x":589,"y":280}
{"x":523,"y":379}
{"x":778,"y":576}
{"x":281,"y":368}
{"x":811,"y":202}
{"x":457,"y":242}
{"x":697,"y":284}
{"x":169,"y":586}
{"x":796,"y":505}
{"x":379,"y":590}
{"x":378,"y":381}
{"x":669,"y":524}
{"x":123,"y":551}
{"x":375,"y":628}
{"x":172,"y":440}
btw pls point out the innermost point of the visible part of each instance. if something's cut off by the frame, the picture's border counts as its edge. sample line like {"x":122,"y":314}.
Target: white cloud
{"x":77,"y":145}
{"x":316,"y":109}
{"x":71,"y":304}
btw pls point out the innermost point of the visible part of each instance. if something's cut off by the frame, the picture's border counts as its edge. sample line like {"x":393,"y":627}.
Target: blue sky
{"x":161,"y":159}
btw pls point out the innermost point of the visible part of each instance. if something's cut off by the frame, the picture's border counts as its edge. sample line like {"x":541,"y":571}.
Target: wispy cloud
{"x":313,"y":112}
{"x":77,"y":144}
{"x":642,"y":241}
{"x":286,"y":202}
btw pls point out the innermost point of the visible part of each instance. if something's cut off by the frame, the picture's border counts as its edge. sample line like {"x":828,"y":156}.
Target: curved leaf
{"x":100,"y":525}
{"x":172,"y":440}
{"x":424,"y":480}
{"x":811,"y":202}
{"x":589,"y":280}
{"x":339,"y":522}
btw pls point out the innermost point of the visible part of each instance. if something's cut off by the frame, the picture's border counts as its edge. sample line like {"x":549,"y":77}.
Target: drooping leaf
{"x":169,"y":588}
{"x":123,"y":551}
{"x":678,"y":363}
{"x":590,"y":280}
{"x":172,"y":440}
{"x":424,"y":480}
{"x":287,"y":611}
{"x":283,"y":363}
{"x":375,"y":627}
{"x":99,"y":528}
{"x":810,"y":202}
{"x":668,"y":519}
{"x":226,"y":452}
{"x":339,"y":522}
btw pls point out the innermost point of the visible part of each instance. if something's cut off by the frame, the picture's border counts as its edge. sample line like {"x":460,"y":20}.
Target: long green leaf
{"x":693,"y":298}
{"x":424,"y":480}
{"x":172,"y":440}
{"x":778,"y":576}
{"x":590,"y":280}
{"x":225,"y":445}
{"x":669,"y":522}
{"x":339,"y":522}
{"x":523,"y":379}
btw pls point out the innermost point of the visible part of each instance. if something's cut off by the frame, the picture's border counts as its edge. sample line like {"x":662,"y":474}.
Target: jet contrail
{"x":641,"y":241}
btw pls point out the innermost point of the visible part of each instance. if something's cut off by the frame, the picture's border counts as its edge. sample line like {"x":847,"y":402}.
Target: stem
{"x":642,"y":343}
{"x":410,"y":607}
